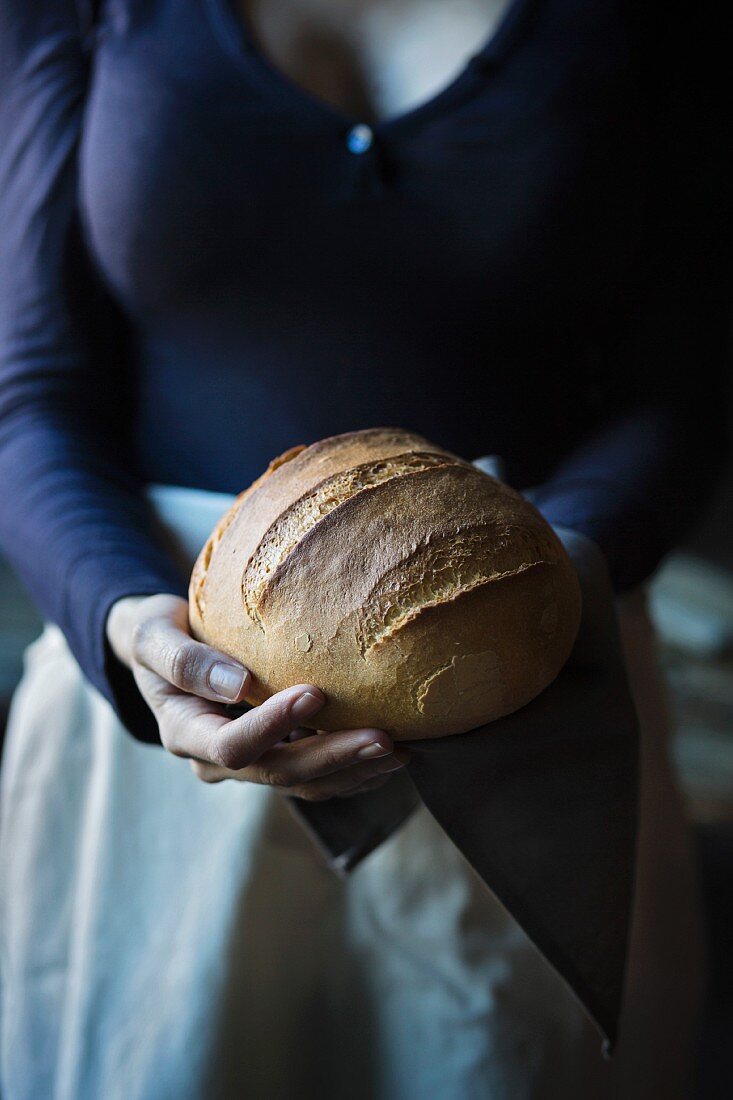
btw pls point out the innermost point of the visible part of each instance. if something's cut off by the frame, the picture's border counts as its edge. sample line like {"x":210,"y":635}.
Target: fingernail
{"x":369,"y":752}
{"x":227,"y":680}
{"x":399,"y":758}
{"x":393,"y":765}
{"x":306,"y":705}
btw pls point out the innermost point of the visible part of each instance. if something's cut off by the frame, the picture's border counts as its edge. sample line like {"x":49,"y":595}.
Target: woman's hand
{"x":188,"y":686}
{"x":598,"y":643}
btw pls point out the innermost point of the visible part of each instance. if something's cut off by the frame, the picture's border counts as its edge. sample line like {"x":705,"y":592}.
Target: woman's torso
{"x":461,"y":276}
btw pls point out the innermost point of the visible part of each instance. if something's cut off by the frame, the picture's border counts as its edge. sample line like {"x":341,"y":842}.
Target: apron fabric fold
{"x":162,"y":938}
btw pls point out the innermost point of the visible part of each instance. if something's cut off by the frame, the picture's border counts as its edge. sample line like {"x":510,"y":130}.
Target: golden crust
{"x":421,"y":595}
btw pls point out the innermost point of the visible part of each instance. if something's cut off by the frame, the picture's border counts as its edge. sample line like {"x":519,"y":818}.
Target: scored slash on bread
{"x":423,"y":596}
{"x":284,"y":534}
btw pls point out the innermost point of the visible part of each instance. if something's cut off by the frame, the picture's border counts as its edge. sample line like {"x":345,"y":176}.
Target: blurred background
{"x":692,"y":606}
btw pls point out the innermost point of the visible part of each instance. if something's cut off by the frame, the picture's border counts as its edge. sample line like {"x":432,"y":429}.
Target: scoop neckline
{"x":236,"y":35}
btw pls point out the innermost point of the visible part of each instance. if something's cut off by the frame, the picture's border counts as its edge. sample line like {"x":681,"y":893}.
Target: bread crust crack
{"x":284,"y":534}
{"x":441,"y":571}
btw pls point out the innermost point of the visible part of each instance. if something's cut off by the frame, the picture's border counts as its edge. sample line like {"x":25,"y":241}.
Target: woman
{"x":228,"y":229}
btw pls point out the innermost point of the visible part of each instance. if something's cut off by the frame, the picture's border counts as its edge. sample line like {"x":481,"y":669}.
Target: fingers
{"x":310,"y":758}
{"x":191,"y":688}
{"x":162,"y":643}
{"x":274,"y":769}
{"x":351,"y":780}
{"x":194,"y":727}
{"x":243,"y":741}
{"x":293,"y":763}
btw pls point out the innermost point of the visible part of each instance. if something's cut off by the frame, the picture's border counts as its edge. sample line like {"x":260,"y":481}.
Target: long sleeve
{"x":640,"y":478}
{"x":72,"y":520}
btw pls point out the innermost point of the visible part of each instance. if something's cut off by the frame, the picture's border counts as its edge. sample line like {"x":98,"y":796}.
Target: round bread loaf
{"x":421,"y":595}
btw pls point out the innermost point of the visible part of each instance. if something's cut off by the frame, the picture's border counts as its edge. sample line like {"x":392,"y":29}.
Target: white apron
{"x":167,"y":940}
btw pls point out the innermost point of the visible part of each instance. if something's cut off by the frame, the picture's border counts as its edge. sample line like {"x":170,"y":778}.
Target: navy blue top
{"x":200,"y":267}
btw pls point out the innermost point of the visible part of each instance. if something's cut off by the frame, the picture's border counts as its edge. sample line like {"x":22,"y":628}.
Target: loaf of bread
{"x":421,"y":595}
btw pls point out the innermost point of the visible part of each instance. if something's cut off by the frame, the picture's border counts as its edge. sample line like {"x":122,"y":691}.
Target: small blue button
{"x":360,"y":138}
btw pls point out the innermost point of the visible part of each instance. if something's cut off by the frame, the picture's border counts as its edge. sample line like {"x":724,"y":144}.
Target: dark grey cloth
{"x":547,"y":817}
{"x":543,"y":805}
{"x":347,"y":831}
